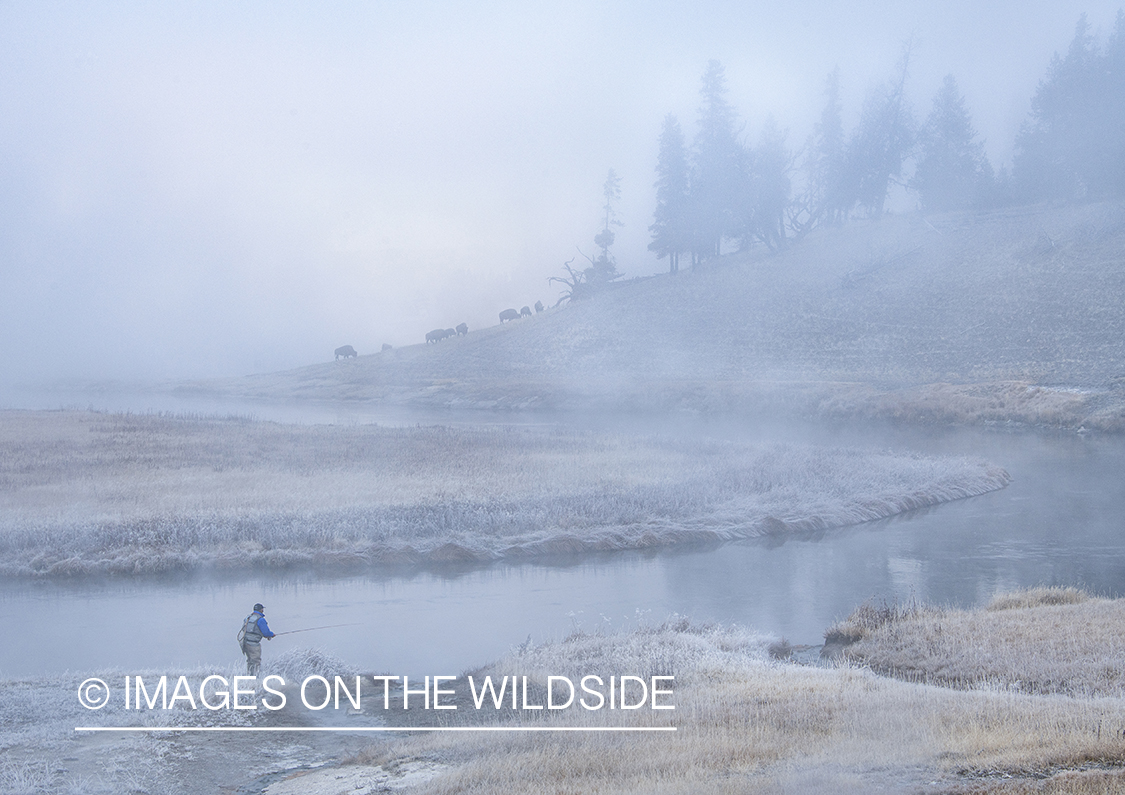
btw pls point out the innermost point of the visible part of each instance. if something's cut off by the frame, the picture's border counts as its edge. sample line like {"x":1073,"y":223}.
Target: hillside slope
{"x":1018,"y":315}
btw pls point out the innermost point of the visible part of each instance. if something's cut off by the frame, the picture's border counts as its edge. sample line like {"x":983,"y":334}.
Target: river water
{"x":1060,"y":522}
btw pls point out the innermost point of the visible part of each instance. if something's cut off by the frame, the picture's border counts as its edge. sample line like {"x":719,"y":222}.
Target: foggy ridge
{"x":1016,"y":314}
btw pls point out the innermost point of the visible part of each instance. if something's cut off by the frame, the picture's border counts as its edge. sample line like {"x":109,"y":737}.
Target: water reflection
{"x":1059,"y":523}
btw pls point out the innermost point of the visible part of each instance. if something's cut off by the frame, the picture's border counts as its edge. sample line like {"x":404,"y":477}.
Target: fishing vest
{"x":250,"y":631}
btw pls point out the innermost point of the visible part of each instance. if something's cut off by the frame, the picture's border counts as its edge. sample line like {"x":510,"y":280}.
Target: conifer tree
{"x":823,"y":199}
{"x":671,"y":231}
{"x":1061,"y":148}
{"x":952,"y":168}
{"x":882,"y":143}
{"x":602,"y":270}
{"x":828,"y":200}
{"x":717,"y":168}
{"x":604,"y":267}
{"x":768,"y":186}
{"x":1112,"y":128}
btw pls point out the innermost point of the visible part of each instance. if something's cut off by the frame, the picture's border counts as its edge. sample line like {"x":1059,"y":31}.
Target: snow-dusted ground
{"x":357,"y":780}
{"x":88,"y":493}
{"x":42,"y":752}
{"x":1017,"y":316}
{"x":745,"y":723}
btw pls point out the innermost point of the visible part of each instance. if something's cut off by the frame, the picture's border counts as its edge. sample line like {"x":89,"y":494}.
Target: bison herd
{"x":511,"y":314}
{"x":439,"y":334}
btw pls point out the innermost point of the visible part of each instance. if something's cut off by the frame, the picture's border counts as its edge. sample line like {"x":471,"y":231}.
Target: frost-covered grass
{"x":1038,"y":597}
{"x":746,"y":724}
{"x":1047,"y":640}
{"x":84,"y":492}
{"x":1094,"y":780}
{"x":1013,"y":316}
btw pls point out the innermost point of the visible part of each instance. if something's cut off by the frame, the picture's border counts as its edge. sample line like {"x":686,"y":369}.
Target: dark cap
{"x":259,"y":607}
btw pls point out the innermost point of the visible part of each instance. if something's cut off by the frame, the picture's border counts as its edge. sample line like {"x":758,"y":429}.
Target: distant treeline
{"x":722,"y":188}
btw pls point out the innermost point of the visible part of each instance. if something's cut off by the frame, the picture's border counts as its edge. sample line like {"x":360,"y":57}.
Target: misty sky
{"x":214,"y":189}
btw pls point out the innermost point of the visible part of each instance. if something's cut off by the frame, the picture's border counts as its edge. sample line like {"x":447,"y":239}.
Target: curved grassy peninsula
{"x":88,"y":493}
{"x":1029,"y":709}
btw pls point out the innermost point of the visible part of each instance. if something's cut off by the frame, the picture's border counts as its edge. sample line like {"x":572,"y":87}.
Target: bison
{"x":462,"y":329}
{"x":525,"y":311}
{"x":509,"y":314}
{"x":538,"y":307}
{"x":347,"y":351}
{"x":386,"y":347}
{"x":437,"y":335}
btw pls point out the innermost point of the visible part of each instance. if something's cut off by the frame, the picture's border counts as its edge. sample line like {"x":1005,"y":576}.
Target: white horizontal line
{"x":375,"y":728}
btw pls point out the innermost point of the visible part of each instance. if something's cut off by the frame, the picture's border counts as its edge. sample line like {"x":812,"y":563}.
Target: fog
{"x":215,"y":190}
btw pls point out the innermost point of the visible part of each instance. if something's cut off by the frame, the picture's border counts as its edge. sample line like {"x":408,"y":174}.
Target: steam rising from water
{"x":218,"y":190}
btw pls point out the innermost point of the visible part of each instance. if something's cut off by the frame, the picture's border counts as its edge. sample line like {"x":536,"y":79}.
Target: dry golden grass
{"x":1047,"y":640}
{"x":990,"y":403}
{"x":1038,"y":597}
{"x":1069,"y":782}
{"x":747,"y":725}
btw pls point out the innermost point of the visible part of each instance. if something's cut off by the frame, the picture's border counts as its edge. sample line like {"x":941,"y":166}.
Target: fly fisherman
{"x":254,"y":628}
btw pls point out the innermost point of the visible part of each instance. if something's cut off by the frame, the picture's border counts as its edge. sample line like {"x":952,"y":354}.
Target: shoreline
{"x":143,"y":494}
{"x":1010,"y":404}
{"x":820,"y":330}
{"x":766,"y":724}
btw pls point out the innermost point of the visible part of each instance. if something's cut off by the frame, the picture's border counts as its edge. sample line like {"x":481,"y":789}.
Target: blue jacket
{"x":254,"y":629}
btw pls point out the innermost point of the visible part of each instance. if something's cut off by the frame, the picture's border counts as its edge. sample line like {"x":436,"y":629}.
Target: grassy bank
{"x":748,"y":724}
{"x":84,"y":492}
{"x":1048,"y":640}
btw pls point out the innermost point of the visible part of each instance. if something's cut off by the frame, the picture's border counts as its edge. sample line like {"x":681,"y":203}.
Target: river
{"x":1060,"y":522}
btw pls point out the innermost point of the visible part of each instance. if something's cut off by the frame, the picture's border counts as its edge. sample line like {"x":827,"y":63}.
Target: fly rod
{"x":310,"y":629}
